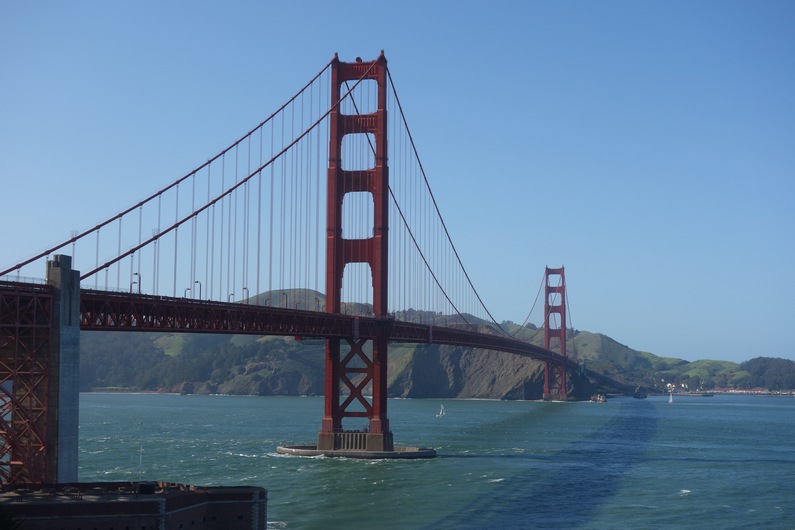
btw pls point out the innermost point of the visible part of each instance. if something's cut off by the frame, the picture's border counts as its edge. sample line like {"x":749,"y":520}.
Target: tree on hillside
{"x":771,"y":373}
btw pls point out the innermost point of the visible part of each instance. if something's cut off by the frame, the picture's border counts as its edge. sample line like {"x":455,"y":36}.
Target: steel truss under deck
{"x":25,"y":376}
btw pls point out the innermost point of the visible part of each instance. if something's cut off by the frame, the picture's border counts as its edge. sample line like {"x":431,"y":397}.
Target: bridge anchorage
{"x":354,"y":369}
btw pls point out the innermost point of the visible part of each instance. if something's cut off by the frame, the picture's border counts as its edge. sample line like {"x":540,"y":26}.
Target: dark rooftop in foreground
{"x":132,"y":506}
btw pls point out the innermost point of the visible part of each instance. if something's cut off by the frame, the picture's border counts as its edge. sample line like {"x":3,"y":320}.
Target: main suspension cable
{"x":220,"y":197}
{"x":435,"y":205}
{"x":80,"y":235}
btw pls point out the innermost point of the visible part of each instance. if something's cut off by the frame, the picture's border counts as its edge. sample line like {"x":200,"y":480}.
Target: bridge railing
{"x":13,"y":278}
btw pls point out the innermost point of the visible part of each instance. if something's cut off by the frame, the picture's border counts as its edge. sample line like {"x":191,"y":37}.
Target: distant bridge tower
{"x":355,"y":369}
{"x":555,"y":305}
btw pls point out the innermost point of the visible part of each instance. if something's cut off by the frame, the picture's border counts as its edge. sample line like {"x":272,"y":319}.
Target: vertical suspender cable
{"x":221,"y":296}
{"x":283,"y":216}
{"x":299,"y":203}
{"x":259,"y":215}
{"x":318,"y":148}
{"x":270,"y":237}
{"x":176,"y":239}
{"x":246,"y":198}
{"x":97,"y":250}
{"x":211,"y":285}
{"x":299,"y":189}
{"x":228,"y":290}
{"x":295,"y":233}
{"x":233,"y":216}
{"x":307,"y":175}
{"x":118,"y":266}
{"x":290,"y":232}
{"x":191,"y":285}
{"x":140,"y":239}
{"x":208,"y":250}
{"x":158,"y":247}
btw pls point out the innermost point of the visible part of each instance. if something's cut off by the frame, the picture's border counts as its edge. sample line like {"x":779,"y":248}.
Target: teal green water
{"x":720,"y":462}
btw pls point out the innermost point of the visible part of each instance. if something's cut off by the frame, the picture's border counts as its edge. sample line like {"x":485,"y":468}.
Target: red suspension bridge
{"x":217,"y":251}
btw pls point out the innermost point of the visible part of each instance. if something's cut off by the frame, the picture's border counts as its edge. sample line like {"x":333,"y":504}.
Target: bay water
{"x":715,"y":462}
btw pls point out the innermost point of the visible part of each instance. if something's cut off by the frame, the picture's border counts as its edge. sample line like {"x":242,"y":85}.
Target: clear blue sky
{"x":647,"y":146}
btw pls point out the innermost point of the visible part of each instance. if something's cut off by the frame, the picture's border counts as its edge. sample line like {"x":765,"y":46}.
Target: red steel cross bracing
{"x":28,"y":428}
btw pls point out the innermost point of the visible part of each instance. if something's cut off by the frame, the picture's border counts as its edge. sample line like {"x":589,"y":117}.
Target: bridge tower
{"x":555,"y":305}
{"x":350,"y":366}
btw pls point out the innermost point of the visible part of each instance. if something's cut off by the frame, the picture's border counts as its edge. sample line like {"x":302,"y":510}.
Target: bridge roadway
{"x":117,"y":311}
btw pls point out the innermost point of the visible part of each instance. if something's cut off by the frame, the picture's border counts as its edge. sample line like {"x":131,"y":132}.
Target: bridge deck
{"x":114,"y":311}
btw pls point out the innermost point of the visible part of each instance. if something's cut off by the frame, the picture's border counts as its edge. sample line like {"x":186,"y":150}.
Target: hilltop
{"x":269,"y":365}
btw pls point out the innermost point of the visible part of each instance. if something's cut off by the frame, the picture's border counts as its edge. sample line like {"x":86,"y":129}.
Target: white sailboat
{"x":441,"y":412}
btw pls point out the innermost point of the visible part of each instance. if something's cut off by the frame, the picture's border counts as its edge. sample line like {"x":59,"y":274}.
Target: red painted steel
{"x":26,"y":384}
{"x":115,"y":311}
{"x":342,"y":369}
{"x":555,"y":304}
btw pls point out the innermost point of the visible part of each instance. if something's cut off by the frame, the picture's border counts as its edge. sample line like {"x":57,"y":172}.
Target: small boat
{"x":441,"y":412}
{"x":599,"y":398}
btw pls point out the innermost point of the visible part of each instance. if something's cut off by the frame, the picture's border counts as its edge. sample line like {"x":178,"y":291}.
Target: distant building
{"x":132,"y":506}
{"x":756,"y":391}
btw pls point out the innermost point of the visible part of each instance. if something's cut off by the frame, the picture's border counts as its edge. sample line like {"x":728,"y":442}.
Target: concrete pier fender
{"x":397,"y":452}
{"x":356,"y":444}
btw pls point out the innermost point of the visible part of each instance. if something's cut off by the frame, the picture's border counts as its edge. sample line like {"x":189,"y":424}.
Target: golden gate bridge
{"x":217,"y":250}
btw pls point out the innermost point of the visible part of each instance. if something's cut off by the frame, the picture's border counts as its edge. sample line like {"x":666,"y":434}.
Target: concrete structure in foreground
{"x":397,"y":452}
{"x":64,"y":398}
{"x":138,"y":506}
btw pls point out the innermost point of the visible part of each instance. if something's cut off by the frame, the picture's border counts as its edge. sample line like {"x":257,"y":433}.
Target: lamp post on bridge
{"x":200,"y":288}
